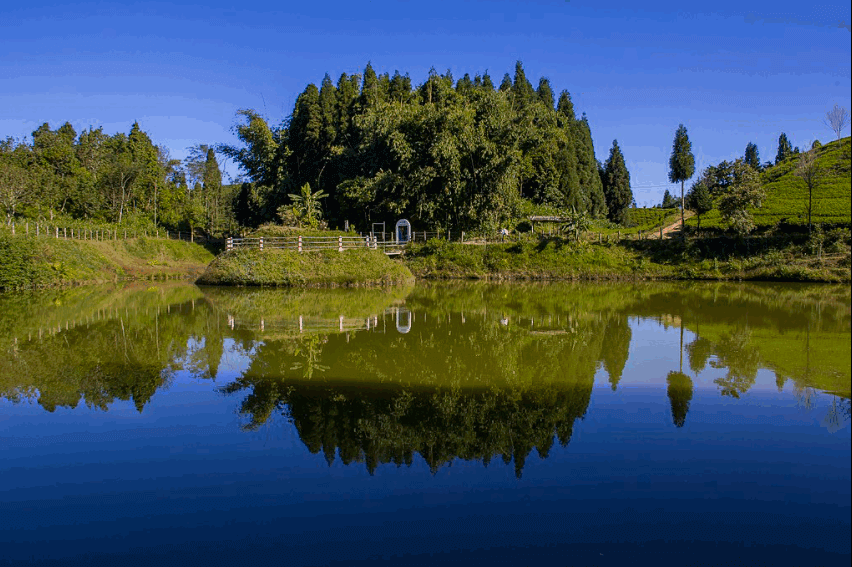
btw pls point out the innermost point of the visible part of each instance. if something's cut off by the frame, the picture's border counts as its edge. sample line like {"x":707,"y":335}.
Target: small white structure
{"x":402,"y":232}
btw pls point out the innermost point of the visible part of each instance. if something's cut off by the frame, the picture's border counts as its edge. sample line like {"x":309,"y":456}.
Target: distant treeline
{"x":447,"y":153}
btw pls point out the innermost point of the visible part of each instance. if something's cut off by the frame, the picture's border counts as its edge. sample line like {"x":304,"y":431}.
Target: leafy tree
{"x":307,"y":205}
{"x":752,"y":157}
{"x":616,"y":185}
{"x":681,"y":166}
{"x":743,"y":194}
{"x":699,"y":200}
{"x":785,"y":149}
{"x":811,"y":172}
{"x":576,"y":224}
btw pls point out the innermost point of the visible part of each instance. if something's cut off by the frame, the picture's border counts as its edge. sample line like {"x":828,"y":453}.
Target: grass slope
{"x":30,"y":262}
{"x":787,"y":195}
{"x":556,"y":259}
{"x":285,"y":268}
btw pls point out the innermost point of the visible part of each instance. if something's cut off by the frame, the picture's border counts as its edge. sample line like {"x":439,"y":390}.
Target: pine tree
{"x":369,"y":88}
{"x":565,"y":107}
{"x":681,"y":166}
{"x":616,"y":185}
{"x":328,"y":110}
{"x":487,"y":83}
{"x":751,"y":156}
{"x":522,"y":90}
{"x":545,"y":92}
{"x":506,"y":84}
{"x":785,"y":149}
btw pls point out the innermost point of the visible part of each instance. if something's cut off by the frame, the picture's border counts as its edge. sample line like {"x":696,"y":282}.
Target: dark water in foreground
{"x":452,"y":424}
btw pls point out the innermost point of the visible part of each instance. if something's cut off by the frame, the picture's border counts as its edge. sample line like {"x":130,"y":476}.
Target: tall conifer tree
{"x":545,"y":92}
{"x":785,"y":148}
{"x":616,"y":185}
{"x":681,"y":166}
{"x":752,"y":157}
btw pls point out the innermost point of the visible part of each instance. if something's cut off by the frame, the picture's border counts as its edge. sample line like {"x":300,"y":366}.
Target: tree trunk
{"x":810,"y":208}
{"x":682,"y":210}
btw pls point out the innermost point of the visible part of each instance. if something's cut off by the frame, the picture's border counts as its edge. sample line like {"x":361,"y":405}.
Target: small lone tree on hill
{"x":699,"y":200}
{"x":811,"y":172}
{"x":681,"y":165}
{"x":837,"y":119}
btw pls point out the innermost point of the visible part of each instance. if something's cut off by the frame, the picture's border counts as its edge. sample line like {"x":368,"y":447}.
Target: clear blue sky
{"x":733,"y":73}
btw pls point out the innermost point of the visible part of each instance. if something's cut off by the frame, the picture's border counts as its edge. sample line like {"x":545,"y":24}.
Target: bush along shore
{"x":31,"y":262}
{"x":779,"y":258}
{"x":325,"y":268}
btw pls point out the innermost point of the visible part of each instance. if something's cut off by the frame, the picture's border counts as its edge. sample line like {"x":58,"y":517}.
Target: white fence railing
{"x":312,"y":243}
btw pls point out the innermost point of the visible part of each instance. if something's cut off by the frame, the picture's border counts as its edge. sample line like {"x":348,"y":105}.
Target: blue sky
{"x":733,"y":73}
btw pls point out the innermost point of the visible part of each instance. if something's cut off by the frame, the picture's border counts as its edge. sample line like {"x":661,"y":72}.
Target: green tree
{"x":785,"y":149}
{"x":742,"y":195}
{"x":681,"y":166}
{"x":616,"y":185}
{"x":752,"y":157}
{"x":669,"y":202}
{"x":679,"y":390}
{"x":811,"y":172}
{"x":576,"y":224}
{"x":699,"y":200}
{"x":308,"y":205}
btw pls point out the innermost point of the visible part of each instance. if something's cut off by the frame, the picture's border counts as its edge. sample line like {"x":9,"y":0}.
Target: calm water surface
{"x":444,"y":424}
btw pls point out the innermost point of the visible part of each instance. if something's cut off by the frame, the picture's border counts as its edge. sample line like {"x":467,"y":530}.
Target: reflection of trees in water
{"x":742,"y":361}
{"x":126,"y":358}
{"x":679,"y":390}
{"x":616,"y":348}
{"x":390,"y":425}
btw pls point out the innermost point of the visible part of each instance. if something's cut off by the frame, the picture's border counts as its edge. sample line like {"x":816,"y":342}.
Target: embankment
{"x":284,"y":268}
{"x":30,"y":262}
{"x":557,"y":259}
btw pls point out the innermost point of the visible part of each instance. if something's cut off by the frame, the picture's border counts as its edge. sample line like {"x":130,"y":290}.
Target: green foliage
{"x":616,"y":185}
{"x":453,"y":155}
{"x":785,"y":149}
{"x":307,"y":207}
{"x":787,"y":195}
{"x":699,"y":200}
{"x":744,"y":194}
{"x":752,"y":157}
{"x":681,"y":162}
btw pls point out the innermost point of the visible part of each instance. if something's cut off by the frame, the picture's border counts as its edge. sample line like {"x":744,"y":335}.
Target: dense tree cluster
{"x":118,"y":178}
{"x":446,"y":153}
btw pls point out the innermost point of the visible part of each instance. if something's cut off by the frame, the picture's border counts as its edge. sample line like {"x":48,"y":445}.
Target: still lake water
{"x":443,"y":424}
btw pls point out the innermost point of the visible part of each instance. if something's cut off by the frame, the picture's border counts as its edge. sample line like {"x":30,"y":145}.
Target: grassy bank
{"x":29,"y":262}
{"x":556,"y":259}
{"x":352,"y":268}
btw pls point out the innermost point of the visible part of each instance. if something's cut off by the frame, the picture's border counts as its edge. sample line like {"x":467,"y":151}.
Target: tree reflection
{"x":378,"y":425}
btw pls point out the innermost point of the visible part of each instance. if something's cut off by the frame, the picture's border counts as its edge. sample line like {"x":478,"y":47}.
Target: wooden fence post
{"x":261,"y":243}
{"x":300,"y":244}
{"x":661,"y":232}
{"x":340,"y":244}
{"x":229,"y":243}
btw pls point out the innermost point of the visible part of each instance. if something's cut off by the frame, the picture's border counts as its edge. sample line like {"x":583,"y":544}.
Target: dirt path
{"x":673,"y":230}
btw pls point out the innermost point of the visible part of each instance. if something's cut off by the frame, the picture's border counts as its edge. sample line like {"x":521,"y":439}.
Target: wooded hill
{"x":447,"y":153}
